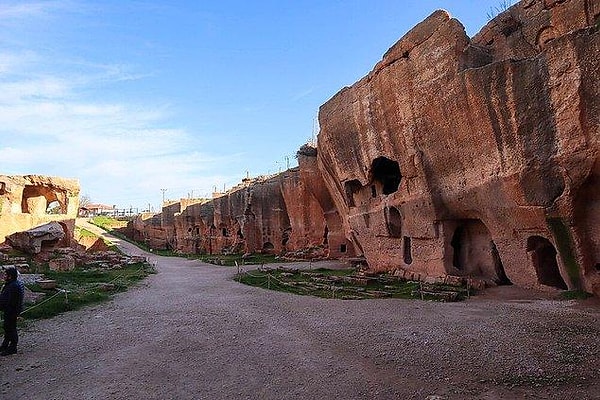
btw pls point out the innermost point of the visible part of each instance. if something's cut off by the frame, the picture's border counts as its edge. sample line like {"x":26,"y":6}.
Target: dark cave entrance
{"x":387,"y":172}
{"x":393,"y":222}
{"x":543,"y":257}
{"x":475,"y":253}
{"x":407,"y":251}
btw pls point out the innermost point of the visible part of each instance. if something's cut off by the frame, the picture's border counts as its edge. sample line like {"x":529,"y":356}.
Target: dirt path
{"x":192,"y":332}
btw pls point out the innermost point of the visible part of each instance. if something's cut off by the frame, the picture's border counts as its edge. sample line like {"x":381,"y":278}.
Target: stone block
{"x":65,"y":263}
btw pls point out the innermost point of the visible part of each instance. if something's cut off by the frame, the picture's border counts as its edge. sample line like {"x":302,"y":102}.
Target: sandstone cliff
{"x":281,"y":214}
{"x":476,"y":157}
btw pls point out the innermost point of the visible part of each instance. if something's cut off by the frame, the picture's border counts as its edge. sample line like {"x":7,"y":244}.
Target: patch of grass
{"x":82,"y":287}
{"x":108,"y":223}
{"x":345,"y":284}
{"x":227,"y":260}
{"x":84,"y":233}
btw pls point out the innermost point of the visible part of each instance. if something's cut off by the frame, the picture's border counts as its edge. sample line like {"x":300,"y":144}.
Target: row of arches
{"x":475,"y":253}
{"x":472,"y":251}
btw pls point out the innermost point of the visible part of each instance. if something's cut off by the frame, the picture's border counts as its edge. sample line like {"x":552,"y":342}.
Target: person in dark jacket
{"x":11,"y":303}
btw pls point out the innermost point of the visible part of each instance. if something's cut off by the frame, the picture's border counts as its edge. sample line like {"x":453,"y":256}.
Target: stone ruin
{"x":37,"y":211}
{"x":288,"y":213}
{"x":37,"y":216}
{"x":455,"y":156}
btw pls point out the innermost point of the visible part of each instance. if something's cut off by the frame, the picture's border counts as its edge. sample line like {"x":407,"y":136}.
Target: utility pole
{"x":163,"y":195}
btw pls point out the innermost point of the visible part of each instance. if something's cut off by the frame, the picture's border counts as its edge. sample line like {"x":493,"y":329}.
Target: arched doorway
{"x":268,"y":248}
{"x":393,"y":220}
{"x":474,"y":252}
{"x":543,"y":257}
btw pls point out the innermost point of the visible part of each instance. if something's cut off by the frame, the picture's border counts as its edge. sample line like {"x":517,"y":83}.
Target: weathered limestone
{"x":63,"y":263}
{"x":476,"y":157}
{"x":335,"y":239}
{"x":32,"y":200}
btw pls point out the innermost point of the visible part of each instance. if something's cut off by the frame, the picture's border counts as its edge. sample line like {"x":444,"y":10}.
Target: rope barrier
{"x":60,"y":291}
{"x":66,"y":292}
{"x":271,"y":277}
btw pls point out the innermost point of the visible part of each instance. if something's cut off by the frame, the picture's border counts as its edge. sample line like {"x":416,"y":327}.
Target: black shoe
{"x":8,"y":352}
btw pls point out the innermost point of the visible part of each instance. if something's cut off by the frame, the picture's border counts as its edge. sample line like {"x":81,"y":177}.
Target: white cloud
{"x":18,"y":10}
{"x":303,"y":94}
{"x":13,"y":61}
{"x":48,"y":125}
{"x":58,"y":118}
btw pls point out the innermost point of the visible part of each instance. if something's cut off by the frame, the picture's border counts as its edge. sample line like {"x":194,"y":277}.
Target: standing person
{"x":11,"y":303}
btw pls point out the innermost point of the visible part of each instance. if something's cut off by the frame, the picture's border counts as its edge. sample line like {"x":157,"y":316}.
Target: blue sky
{"x":131,"y":97}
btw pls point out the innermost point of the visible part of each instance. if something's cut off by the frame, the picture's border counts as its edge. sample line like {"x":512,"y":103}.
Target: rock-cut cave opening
{"x":387,"y":172}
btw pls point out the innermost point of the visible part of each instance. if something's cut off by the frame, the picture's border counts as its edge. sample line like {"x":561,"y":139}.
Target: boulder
{"x":32,"y":240}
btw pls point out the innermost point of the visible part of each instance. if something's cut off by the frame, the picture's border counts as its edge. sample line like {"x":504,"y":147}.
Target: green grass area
{"x":81,"y":287}
{"x":108,"y":223}
{"x":227,"y":260}
{"x":84,"y":233}
{"x":345,"y":284}
{"x":231,"y":259}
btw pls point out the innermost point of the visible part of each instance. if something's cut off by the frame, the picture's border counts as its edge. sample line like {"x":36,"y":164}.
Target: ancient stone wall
{"x":334,"y":237}
{"x":32,"y":200}
{"x":476,"y":157}
{"x":281,"y":214}
{"x":147,"y":228}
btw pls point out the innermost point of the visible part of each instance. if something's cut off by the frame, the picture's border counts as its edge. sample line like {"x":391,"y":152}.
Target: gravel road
{"x":191,"y":332}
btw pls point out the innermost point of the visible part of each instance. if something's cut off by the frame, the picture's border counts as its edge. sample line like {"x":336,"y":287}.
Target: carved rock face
{"x":453,"y":153}
{"x":454,"y":156}
{"x":288,"y":213}
{"x":33,"y":200}
{"x":32,"y":240}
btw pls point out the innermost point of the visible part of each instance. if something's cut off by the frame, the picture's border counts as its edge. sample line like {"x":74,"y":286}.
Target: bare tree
{"x":84,"y":200}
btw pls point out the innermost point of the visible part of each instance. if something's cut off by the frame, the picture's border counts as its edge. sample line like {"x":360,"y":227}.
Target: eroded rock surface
{"x":476,"y":157}
{"x":33,"y":200}
{"x":32,"y":240}
{"x":288,"y":213}
{"x":466,"y":157}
